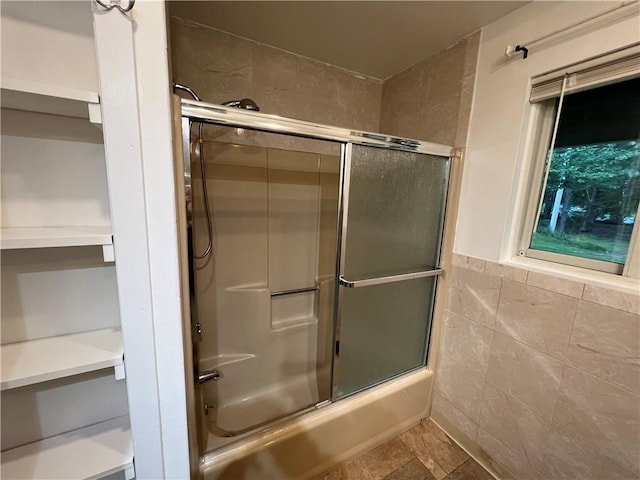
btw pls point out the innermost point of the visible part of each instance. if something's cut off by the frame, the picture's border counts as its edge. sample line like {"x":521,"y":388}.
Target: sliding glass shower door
{"x":392,"y":218}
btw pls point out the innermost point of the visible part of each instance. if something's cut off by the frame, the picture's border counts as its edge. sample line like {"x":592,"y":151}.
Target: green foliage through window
{"x":590,"y":201}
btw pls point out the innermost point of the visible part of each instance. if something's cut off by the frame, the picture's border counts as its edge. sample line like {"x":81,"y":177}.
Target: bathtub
{"x":311,"y":443}
{"x":234,"y":410}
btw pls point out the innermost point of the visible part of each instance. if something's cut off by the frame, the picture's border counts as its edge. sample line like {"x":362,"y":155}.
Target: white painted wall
{"x":501,"y":114}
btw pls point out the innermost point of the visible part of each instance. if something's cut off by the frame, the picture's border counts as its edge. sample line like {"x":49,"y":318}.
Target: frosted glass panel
{"x":383,"y":333}
{"x":394,"y":203}
{"x":395,"y":212}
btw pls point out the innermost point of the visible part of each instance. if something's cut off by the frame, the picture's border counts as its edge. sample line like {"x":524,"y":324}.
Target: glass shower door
{"x":392,"y":218}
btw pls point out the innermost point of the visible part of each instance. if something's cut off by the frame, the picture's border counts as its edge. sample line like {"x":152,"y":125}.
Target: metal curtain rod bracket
{"x":116,"y":4}
{"x":524,"y":50}
{"x":511,"y":50}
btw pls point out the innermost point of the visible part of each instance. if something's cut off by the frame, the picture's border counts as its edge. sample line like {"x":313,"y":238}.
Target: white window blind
{"x":616,"y":66}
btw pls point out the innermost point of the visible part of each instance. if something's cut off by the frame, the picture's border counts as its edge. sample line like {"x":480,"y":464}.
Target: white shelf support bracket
{"x":130,"y":473}
{"x":119,"y":371}
{"x":108,"y":253}
{"x":95,"y":114}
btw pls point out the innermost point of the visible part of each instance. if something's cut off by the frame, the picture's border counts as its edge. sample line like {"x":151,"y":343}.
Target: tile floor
{"x":421,"y":453}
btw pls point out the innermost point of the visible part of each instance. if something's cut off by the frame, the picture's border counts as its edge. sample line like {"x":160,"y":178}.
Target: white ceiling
{"x":375,"y":38}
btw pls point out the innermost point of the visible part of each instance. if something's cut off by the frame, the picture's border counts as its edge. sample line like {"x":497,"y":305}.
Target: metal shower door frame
{"x":192,"y":111}
{"x":234,"y":117}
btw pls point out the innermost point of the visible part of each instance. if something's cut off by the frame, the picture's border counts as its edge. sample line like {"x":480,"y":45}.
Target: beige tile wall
{"x":432,"y":100}
{"x":221,"y":67}
{"x":541,"y":373}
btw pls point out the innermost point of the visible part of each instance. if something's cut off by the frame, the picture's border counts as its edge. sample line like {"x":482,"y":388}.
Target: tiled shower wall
{"x":429,"y":101}
{"x":541,"y":373}
{"x":220,"y":66}
{"x":432,"y":99}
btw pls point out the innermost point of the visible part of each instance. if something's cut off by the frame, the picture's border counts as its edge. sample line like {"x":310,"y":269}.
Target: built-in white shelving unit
{"x":89,"y":453}
{"x":35,"y":361}
{"x":64,"y":415}
{"x":51,"y":99}
{"x":47,"y":237}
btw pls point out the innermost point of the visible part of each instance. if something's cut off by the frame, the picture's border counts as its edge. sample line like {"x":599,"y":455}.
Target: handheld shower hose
{"x":200,"y":141}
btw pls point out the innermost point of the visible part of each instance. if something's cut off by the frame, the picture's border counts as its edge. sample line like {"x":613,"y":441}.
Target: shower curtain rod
{"x":233,"y":117}
{"x":525,"y":46}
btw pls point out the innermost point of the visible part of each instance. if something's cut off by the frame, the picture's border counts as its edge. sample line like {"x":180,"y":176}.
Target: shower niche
{"x":314,"y":257}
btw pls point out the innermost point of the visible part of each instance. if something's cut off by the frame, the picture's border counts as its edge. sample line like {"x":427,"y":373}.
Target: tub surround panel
{"x":292,"y":86}
{"x":515,"y":424}
{"x":612,"y":298}
{"x":561,"y":395}
{"x":607,"y":349}
{"x":432,"y":99}
{"x":267,"y":207}
{"x":293,"y":207}
{"x":461,"y":387}
{"x":525,"y":373}
{"x":474,"y":295}
{"x":568,"y":457}
{"x":441,"y":405}
{"x":221,"y":67}
{"x":475,"y":264}
{"x":602,"y":414}
{"x":466,"y":90}
{"x":517,"y":464}
{"x":504,"y":271}
{"x":538,"y":318}
{"x":554,"y":284}
{"x":460,"y":260}
{"x":466,"y":343}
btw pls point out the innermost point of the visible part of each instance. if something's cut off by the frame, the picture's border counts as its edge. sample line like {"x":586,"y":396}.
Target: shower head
{"x":244,"y":103}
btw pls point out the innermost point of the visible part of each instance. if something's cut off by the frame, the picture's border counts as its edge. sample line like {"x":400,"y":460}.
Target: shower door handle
{"x":389,"y":279}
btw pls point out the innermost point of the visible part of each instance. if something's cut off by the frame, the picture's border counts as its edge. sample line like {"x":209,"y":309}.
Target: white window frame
{"x":544,"y":114}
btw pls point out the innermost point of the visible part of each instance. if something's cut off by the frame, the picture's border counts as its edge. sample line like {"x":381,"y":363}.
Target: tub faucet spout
{"x":208,"y":375}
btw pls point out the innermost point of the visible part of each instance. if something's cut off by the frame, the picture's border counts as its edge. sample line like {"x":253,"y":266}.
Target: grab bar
{"x":295,"y":290}
{"x":389,"y":279}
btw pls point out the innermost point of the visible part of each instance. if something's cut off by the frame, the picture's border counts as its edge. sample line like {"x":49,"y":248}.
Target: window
{"x":586,"y":187}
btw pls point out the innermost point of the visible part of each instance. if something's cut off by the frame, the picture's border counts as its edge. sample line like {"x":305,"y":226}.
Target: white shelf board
{"x":36,"y":361}
{"x":52,"y":99}
{"x":89,"y":453}
{"x":45,"y":237}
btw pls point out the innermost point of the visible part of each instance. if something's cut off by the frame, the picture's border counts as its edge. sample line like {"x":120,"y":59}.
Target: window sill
{"x":600,"y":279}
